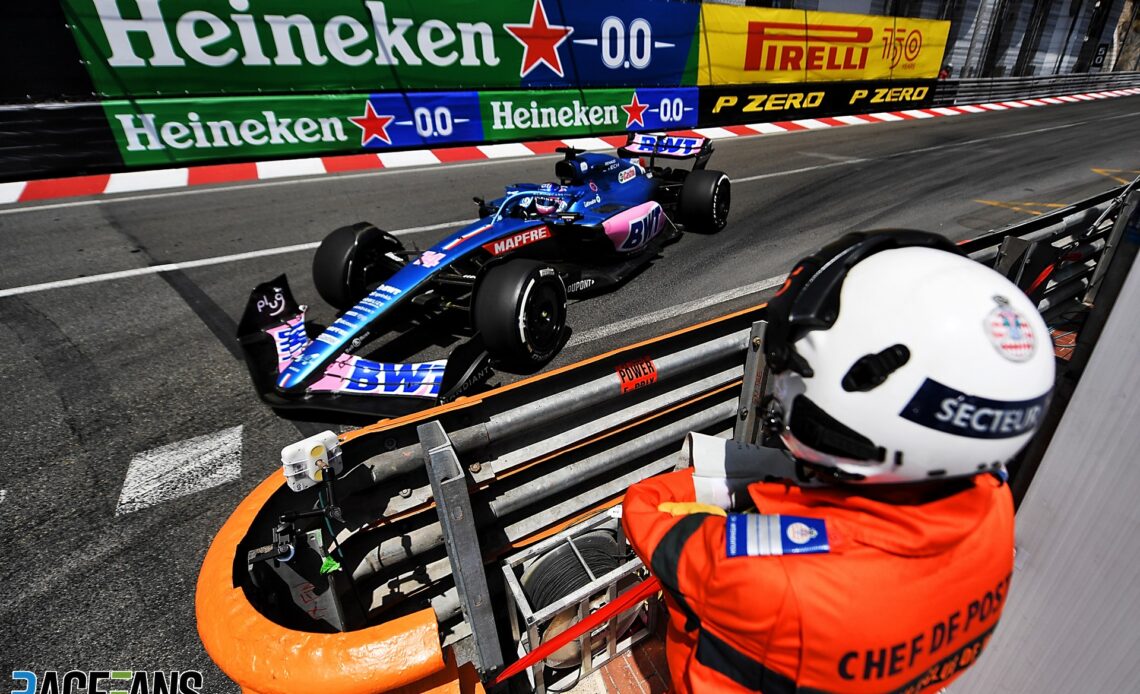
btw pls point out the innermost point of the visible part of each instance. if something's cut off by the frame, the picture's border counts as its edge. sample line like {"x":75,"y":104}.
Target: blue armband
{"x":756,"y":535}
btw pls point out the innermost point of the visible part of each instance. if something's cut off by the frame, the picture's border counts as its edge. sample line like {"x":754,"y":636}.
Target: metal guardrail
{"x":972,"y":91}
{"x":539,"y":455}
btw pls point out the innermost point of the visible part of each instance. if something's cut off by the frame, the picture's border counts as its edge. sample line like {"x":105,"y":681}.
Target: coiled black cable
{"x":560,"y":573}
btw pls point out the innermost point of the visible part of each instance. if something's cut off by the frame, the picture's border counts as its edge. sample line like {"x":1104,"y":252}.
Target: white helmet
{"x":896,"y":359}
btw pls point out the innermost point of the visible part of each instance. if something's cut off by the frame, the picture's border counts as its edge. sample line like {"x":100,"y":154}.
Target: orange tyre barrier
{"x":266,"y":658}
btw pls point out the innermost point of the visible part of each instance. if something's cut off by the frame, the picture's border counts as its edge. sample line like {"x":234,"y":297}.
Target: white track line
{"x":673,"y":311}
{"x":316,"y":167}
{"x":185,"y":265}
{"x":415,"y":157}
{"x":10,"y":192}
{"x":134,"y":181}
{"x":505,"y":150}
{"x":177,"y":469}
{"x":766,"y":128}
{"x":154,"y":269}
{"x":714,"y":133}
{"x":290,"y":167}
{"x":587,"y":143}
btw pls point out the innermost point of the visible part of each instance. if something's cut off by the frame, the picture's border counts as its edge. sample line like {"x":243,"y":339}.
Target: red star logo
{"x":540,"y":41}
{"x":634,"y":112}
{"x":372,"y":125}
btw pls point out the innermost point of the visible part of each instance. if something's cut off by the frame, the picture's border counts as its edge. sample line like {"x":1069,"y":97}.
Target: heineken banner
{"x":745,"y":45}
{"x":154,"y":132}
{"x":212,"y":47}
{"x":523,"y":115}
{"x":760,"y":103}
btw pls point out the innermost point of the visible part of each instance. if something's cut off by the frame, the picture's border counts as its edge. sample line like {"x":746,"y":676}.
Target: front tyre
{"x":705,"y":199}
{"x":352,"y":259}
{"x":520,"y":312}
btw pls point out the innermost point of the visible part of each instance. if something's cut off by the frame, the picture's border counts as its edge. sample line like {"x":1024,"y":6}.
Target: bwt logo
{"x":122,"y":682}
{"x":795,"y":46}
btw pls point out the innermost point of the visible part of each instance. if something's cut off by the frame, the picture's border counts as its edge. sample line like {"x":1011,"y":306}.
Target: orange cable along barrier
{"x":404,"y":575}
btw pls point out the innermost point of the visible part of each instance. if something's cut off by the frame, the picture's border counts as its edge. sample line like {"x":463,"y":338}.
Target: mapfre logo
{"x":517,"y":241}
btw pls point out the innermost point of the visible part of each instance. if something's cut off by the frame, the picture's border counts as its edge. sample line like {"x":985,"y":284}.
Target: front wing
{"x":273,"y":332}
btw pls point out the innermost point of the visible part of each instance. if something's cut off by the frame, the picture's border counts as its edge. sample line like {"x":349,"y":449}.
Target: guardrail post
{"x":746,"y":427}
{"x":1116,"y":237}
{"x":453,"y":504}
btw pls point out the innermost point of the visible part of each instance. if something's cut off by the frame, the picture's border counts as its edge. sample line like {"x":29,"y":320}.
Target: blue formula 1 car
{"x":506,"y":276}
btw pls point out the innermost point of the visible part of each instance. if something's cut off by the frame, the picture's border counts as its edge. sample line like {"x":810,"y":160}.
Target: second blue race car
{"x":508,"y":275}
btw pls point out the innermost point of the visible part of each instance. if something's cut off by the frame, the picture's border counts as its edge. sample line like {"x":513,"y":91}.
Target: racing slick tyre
{"x":520,"y":312}
{"x":705,"y":198}
{"x":352,"y":259}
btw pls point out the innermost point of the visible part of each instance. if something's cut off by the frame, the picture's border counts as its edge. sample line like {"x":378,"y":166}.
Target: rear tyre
{"x":520,"y":312}
{"x":705,"y":199}
{"x":352,"y":259}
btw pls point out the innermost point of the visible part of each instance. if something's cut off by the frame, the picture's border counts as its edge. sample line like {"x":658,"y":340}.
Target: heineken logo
{"x":374,"y":128}
{"x":508,"y":115}
{"x":140,"y":34}
{"x":635,"y":112}
{"x":146,"y":131}
{"x":540,"y":40}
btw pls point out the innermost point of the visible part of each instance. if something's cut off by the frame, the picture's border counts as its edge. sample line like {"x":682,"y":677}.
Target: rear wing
{"x":656,"y":145}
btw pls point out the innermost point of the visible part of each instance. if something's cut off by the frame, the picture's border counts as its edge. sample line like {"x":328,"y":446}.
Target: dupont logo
{"x":775,"y":46}
{"x":517,"y":241}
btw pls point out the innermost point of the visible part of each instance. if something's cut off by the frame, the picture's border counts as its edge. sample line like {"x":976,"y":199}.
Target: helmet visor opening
{"x":818,"y":430}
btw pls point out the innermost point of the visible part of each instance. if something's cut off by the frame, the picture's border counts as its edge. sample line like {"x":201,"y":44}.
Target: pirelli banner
{"x":750,"y":45}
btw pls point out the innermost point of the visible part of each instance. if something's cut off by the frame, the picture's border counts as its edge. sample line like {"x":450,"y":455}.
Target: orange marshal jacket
{"x":826,"y":591}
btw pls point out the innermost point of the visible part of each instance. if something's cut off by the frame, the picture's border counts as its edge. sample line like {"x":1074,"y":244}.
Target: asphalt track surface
{"x":94,"y":374}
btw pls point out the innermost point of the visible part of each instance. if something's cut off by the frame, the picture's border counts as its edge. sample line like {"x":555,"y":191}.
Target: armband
{"x":757,"y":535}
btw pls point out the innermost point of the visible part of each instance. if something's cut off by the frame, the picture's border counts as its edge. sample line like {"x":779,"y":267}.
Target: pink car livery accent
{"x":350,"y":374}
{"x":637,"y":226}
{"x":460,"y":239}
{"x":290,"y":338}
